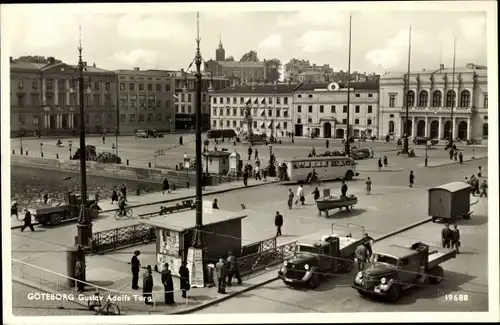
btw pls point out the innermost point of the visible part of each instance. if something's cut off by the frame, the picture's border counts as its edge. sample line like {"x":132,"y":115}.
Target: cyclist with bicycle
{"x":313,"y":177}
{"x":122,"y":204}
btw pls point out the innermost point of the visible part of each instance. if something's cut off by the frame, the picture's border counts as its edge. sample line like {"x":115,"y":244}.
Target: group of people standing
{"x":166,"y":279}
{"x":450,"y":237}
{"x":226,"y":271}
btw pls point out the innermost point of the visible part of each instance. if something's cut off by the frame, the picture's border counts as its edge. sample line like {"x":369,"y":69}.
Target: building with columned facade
{"x":45,"y":98}
{"x":270,"y":108}
{"x":320,"y":112}
{"x":430,"y":98}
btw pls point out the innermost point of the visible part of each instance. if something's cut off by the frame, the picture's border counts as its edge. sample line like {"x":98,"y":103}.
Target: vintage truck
{"x":397,"y":268}
{"x":69,"y":210}
{"x":319,"y":256}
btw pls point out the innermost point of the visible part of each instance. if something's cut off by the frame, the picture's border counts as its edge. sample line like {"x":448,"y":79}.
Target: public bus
{"x":224,"y":133}
{"x":327,"y":168}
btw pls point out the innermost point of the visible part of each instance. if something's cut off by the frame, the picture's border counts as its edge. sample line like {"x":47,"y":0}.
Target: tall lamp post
{"x":197,"y":240}
{"x":22,"y":134}
{"x":84,"y":222}
{"x":406,"y":99}
{"x":454,"y":95}
{"x":347,"y":144}
{"x":70,"y":144}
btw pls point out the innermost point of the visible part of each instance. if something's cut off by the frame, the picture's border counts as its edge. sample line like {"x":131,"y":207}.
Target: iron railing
{"x":261,"y":260}
{"x":110,"y":240}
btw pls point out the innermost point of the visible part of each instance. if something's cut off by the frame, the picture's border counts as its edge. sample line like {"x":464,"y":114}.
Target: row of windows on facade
{"x":141,"y":117}
{"x":333,"y":109}
{"x":263,"y":100}
{"x":61,"y":84}
{"x":242,"y":112}
{"x":465,"y":99}
{"x":344,"y":121}
{"x":190,"y":97}
{"x":151,"y":102}
{"x":436,"y":125}
{"x":49,"y":100}
{"x":255,"y":124}
{"x":97,"y":118}
{"x":157,"y":87}
{"x":188,"y":109}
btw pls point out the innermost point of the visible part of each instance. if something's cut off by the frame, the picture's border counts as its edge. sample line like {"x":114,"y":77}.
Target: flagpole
{"x":347,"y":144}
{"x":453,"y":92}
{"x":407,"y":91}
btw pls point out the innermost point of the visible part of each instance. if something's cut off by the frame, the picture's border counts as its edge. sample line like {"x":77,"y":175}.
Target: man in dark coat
{"x":168,"y":285}
{"x":245,"y":177}
{"x":27,"y":221}
{"x":147,"y":286}
{"x":461,"y":157}
{"x":215,"y":204}
{"x":184,"y":275}
{"x":343,"y":189}
{"x":455,"y":238}
{"x":136,"y":266}
{"x":278,"y":222}
{"x":412,"y":178}
{"x":250,"y":153}
{"x":220,"y":270}
{"x":234,"y":269}
{"x":123,"y":189}
{"x":166,"y":186}
{"x":79,"y":272}
{"x":446,"y":236}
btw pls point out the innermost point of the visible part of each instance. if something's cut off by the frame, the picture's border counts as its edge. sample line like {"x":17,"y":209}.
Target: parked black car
{"x":154,"y":134}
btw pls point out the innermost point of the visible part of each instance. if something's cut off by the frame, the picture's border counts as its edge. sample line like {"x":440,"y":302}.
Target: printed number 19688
{"x":456,"y":297}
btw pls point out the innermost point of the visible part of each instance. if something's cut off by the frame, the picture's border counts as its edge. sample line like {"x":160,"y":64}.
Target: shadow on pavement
{"x":475,"y":220}
{"x":346,"y":214}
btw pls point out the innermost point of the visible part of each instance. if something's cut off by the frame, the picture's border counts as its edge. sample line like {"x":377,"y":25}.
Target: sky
{"x":162,"y":36}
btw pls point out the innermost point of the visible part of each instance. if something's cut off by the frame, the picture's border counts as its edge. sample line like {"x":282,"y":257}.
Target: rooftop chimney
{"x":136,"y":68}
{"x":52,"y":60}
{"x":441,"y":67}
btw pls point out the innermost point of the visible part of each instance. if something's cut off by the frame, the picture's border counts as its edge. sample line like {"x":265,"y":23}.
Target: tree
{"x":273,"y":72}
{"x":250,"y":56}
{"x":35,"y":59}
{"x":230,"y":58}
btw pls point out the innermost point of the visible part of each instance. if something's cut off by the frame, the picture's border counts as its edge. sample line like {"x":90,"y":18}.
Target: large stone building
{"x":244,"y":71}
{"x":430,"y":99}
{"x":318,"y":111}
{"x":45,"y":99}
{"x":270,"y":108}
{"x":146,"y":100}
{"x":184,"y":86}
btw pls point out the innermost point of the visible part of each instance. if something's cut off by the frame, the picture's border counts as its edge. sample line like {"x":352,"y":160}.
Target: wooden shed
{"x":449,"y":201}
{"x":221,"y":234}
{"x":216,"y":162}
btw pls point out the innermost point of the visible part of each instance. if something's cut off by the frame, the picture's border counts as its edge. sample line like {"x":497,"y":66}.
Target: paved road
{"x":466,"y":275}
{"x":22,"y":305}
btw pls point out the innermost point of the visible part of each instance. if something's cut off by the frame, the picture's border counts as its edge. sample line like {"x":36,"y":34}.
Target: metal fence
{"x":113,"y":239}
{"x":258,"y":261}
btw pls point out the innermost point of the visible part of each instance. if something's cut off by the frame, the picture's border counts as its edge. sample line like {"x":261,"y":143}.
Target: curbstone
{"x":413,"y":225}
{"x":454,"y":162}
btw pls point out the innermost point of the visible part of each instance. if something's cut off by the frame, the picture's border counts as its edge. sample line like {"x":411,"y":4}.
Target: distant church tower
{"x":220,"y":53}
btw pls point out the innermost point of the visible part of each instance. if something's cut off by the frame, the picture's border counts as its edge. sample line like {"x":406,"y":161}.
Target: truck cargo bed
{"x":438,"y":257}
{"x":347,"y":245}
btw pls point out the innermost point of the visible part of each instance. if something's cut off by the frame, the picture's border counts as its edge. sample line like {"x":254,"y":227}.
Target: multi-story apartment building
{"x":270,"y":108}
{"x":185,"y":114}
{"x":45,"y":99}
{"x":320,"y":112}
{"x":146,"y":100}
{"x":430,"y":98}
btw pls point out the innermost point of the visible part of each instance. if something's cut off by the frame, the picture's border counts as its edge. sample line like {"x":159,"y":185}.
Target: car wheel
{"x":314,"y":281}
{"x":436,"y":275}
{"x":349,"y":175}
{"x":55,"y":219}
{"x":394,"y":293}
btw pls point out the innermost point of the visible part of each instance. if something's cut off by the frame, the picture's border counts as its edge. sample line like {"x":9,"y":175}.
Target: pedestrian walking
{"x":451,"y":154}
{"x":461,"y":157}
{"x":168,"y":285}
{"x":114,"y":195}
{"x":379,"y":164}
{"x":412,"y":178}
{"x":278,"y":222}
{"x":256,"y":154}
{"x":79,"y":272}
{"x":300,"y":195}
{"x":220,"y":270}
{"x":257,"y":173}
{"x":13,"y":210}
{"x":479,"y":172}
{"x":343,"y":189}
{"x":233,"y":268}
{"x":327,"y":144}
{"x":123,"y":189}
{"x":471,"y":183}
{"x":180,"y":141}
{"x":250,"y":153}
{"x":103,"y":139}
{"x":290,"y":198}
{"x":215,"y":204}
{"x":368,"y":186}
{"x":166,"y":186}
{"x":245,"y":177}
{"x":27,"y":221}
{"x":456,"y":155}
{"x":147,"y":286}
{"x":484,"y":189}
{"x":184,"y":277}
{"x":476,"y":185}
{"x":315,"y":194}
{"x":313,"y":152}
{"x":136,"y":266}
{"x":446,"y":236}
{"x":45,"y":198}
{"x":455,"y":238}
{"x":361,"y":256}
{"x":372,"y":153}
{"x":385,"y":161}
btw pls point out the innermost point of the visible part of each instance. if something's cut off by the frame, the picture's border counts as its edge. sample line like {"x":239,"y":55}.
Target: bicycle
{"x":128,"y":212}
{"x":95,"y":306}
